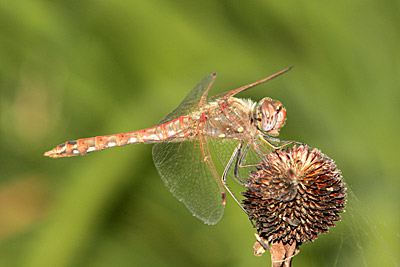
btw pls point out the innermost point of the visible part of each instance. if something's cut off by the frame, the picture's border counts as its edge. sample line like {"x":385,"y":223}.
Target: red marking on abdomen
{"x":150,"y":135}
{"x":164,"y":133}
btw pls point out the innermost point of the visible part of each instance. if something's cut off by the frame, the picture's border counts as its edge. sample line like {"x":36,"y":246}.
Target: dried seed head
{"x":294,"y":195}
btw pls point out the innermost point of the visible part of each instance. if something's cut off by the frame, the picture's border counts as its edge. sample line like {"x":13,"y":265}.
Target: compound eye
{"x":259,"y":120}
{"x":267,"y":112}
{"x":271,"y":116}
{"x":281,"y":118}
{"x":278,"y":106}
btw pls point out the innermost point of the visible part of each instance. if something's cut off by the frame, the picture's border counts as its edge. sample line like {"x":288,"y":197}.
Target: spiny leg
{"x":268,"y":139}
{"x":236,"y":153}
{"x":234,"y":156}
{"x":239,"y":160}
{"x":241,"y":156}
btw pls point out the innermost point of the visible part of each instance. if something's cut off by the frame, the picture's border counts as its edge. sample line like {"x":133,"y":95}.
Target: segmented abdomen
{"x":175,"y":130}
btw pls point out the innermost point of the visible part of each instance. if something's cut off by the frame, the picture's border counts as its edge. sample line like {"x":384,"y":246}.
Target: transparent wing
{"x":190,"y":179}
{"x":191,"y":100}
{"x":248,"y":86}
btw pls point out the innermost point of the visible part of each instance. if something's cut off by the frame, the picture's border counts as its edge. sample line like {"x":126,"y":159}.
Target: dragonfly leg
{"x":235,"y":155}
{"x":238,"y":164}
{"x":239,"y":160}
{"x":268,"y":139}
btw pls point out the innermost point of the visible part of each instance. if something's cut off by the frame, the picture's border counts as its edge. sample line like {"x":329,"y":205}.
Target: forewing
{"x":190,"y":179}
{"x":191,"y":100}
{"x":248,"y":86}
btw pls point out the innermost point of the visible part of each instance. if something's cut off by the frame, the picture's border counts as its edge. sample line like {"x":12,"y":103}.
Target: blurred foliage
{"x":74,"y":69}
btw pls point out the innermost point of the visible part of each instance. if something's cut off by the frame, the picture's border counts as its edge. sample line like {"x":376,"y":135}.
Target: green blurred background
{"x":74,"y":69}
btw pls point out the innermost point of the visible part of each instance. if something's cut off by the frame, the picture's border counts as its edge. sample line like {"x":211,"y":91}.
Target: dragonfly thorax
{"x":270,"y":115}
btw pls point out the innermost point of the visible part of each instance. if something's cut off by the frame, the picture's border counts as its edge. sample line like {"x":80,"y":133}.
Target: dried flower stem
{"x":282,"y":254}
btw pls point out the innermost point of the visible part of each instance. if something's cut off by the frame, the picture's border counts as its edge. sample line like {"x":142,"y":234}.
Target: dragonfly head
{"x":270,"y":116}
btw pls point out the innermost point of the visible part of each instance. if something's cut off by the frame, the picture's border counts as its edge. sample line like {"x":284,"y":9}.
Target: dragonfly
{"x":200,"y":132}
